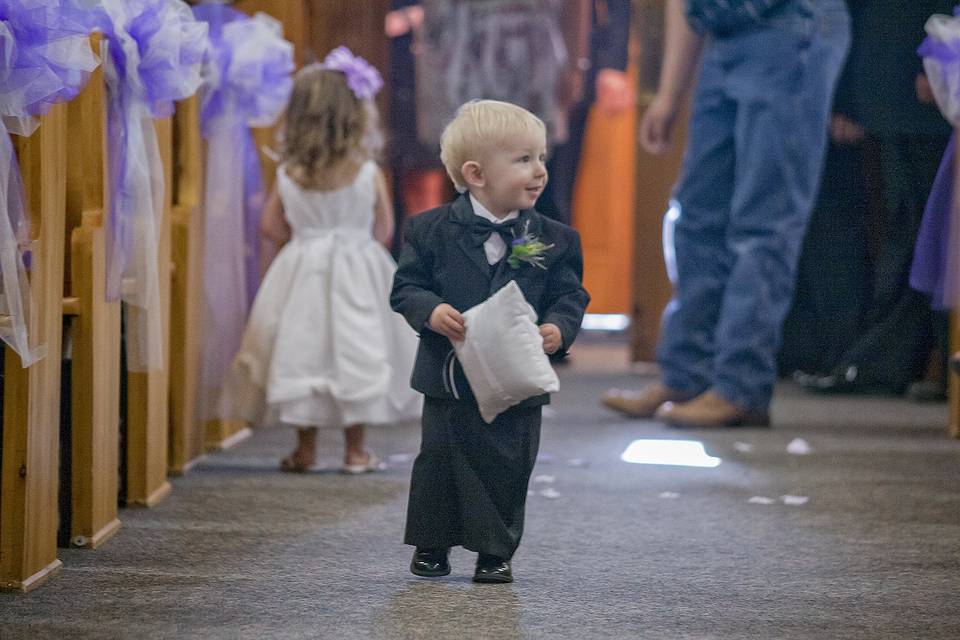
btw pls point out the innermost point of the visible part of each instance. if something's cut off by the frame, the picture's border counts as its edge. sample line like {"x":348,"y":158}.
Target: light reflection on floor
{"x":684,"y":453}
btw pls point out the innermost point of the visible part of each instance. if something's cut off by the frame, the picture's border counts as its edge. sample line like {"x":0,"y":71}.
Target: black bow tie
{"x":483,"y":228}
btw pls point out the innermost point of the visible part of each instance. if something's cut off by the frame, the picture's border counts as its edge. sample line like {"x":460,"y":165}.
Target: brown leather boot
{"x":710,"y":410}
{"x":643,"y":403}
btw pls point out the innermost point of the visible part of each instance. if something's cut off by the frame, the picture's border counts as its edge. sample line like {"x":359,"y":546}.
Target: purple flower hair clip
{"x":362,"y":78}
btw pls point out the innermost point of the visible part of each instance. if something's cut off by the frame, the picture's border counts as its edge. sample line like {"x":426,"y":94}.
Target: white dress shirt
{"x":494,"y":247}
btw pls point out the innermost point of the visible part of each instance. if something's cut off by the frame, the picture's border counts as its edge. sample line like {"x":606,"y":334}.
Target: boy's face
{"x":514,"y":174}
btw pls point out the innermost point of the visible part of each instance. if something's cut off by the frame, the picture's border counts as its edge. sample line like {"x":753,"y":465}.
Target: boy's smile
{"x":513,"y":176}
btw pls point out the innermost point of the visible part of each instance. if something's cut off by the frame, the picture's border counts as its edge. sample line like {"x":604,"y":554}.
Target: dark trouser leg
{"x":833,"y":275}
{"x":469,"y":484}
{"x":900,"y":329}
{"x":433,"y":509}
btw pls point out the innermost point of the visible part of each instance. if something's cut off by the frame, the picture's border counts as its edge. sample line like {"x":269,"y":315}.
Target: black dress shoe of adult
{"x":430,"y":563}
{"x":492,"y":570}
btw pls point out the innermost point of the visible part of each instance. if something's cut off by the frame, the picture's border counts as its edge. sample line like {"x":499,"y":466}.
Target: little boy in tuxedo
{"x":469,"y":482}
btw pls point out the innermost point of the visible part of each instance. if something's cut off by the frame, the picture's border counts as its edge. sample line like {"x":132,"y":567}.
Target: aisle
{"x":612,"y":550}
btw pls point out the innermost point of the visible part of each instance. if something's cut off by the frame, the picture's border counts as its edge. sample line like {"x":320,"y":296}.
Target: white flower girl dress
{"x":322,"y":346}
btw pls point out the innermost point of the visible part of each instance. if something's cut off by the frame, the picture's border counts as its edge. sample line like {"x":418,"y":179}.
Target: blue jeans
{"x":732,"y":236}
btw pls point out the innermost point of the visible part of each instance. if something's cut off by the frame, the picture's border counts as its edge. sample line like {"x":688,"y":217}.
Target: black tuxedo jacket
{"x":440,"y":262}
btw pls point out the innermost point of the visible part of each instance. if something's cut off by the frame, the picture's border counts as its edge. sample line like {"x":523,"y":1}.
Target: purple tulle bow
{"x":362,"y":78}
{"x":45,"y":54}
{"x":944,"y":52}
{"x":153,"y":53}
{"x":45,"y":58}
{"x":156,"y":48}
{"x":247,"y":82}
{"x":248,"y":72}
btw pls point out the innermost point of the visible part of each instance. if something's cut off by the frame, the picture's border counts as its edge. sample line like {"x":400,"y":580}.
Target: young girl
{"x":322,"y":347}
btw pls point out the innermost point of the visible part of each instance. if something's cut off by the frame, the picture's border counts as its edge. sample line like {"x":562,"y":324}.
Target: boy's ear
{"x":473,"y":174}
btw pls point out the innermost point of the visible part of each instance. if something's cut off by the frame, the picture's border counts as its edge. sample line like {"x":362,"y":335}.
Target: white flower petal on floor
{"x":799,"y":447}
{"x":550,"y":493}
{"x":543,"y":479}
{"x":669,"y":495}
{"x":761,"y":500}
{"x":743,"y":447}
{"x":794,"y":501}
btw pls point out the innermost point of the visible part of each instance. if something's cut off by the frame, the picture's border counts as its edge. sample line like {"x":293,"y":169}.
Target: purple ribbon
{"x":154,"y":55}
{"x":153,"y":51}
{"x":45,"y":58}
{"x":247,"y":82}
{"x":934,"y":257}
{"x":944,"y":52}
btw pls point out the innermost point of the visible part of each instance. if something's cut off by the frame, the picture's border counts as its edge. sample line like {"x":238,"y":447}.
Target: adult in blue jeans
{"x":757,"y":139}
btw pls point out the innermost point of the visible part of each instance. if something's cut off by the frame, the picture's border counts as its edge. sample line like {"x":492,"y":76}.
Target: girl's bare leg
{"x":354,"y":453}
{"x":305,"y":455}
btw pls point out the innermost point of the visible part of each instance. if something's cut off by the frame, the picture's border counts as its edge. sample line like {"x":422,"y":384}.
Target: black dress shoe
{"x":430,"y":563}
{"x":492,"y":570}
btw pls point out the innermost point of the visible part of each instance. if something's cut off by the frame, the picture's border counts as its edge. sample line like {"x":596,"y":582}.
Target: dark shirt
{"x":726,"y":16}
{"x":878,"y":86}
{"x":609,"y":34}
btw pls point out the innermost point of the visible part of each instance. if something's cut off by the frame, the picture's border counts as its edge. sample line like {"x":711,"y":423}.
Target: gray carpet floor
{"x":611,"y":550}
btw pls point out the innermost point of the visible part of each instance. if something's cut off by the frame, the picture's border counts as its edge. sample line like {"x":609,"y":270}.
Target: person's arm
{"x":575,"y":24}
{"x":566,"y":299}
{"x":383,"y":224}
{"x":680,"y":58}
{"x":412,"y":295}
{"x":273,"y":226}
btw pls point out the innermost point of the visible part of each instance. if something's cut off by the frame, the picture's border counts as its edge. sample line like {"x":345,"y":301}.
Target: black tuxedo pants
{"x":469,"y":483}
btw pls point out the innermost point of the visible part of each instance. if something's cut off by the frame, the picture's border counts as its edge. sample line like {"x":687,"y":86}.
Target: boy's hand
{"x":551,"y":337}
{"x":447,"y":321}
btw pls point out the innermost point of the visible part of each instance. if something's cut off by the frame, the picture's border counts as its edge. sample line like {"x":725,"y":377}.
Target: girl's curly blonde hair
{"x":325,"y":125}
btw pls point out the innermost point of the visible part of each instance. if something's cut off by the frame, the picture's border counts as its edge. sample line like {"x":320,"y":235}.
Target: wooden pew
{"x":187,"y":435}
{"x":30,"y":459}
{"x":148,"y":392}
{"x":94,"y":328}
{"x":655,"y":177}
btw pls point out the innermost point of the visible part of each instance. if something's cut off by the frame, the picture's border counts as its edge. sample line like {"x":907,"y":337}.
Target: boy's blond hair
{"x":480,"y":126}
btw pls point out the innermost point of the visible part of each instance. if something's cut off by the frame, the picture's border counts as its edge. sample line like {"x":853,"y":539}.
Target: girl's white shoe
{"x":372,"y":464}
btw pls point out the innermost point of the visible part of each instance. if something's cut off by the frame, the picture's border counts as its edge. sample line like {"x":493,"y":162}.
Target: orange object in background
{"x":603,"y":209}
{"x":423,"y":190}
